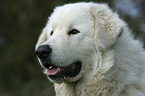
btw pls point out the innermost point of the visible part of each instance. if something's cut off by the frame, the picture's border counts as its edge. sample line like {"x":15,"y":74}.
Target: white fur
{"x":113,"y":63}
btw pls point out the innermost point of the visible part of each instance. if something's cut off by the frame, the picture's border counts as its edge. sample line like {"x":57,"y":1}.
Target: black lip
{"x":73,"y":72}
{"x":69,"y":71}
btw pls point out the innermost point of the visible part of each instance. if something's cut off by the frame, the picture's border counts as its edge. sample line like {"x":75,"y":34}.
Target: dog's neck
{"x":84,"y":88}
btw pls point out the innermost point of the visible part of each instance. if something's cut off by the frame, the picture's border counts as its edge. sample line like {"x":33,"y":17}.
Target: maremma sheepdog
{"x":87,"y":50}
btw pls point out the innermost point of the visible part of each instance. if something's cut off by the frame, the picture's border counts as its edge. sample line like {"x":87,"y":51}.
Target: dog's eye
{"x":73,"y":31}
{"x":51,"y":33}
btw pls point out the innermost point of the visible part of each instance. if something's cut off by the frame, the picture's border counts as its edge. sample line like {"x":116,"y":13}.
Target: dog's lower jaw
{"x":70,"y":88}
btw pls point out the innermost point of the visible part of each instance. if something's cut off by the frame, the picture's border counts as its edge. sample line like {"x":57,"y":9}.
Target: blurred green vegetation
{"x":21,"y":22}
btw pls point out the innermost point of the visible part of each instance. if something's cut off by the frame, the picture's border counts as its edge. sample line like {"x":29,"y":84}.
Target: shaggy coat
{"x":114,"y":63}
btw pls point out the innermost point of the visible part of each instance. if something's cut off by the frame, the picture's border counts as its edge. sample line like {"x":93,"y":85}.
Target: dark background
{"x":21,"y":22}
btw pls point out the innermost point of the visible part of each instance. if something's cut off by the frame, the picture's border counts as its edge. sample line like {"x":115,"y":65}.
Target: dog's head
{"x":67,"y":46}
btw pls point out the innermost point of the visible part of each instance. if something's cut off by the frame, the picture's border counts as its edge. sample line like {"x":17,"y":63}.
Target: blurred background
{"x":21,"y":22}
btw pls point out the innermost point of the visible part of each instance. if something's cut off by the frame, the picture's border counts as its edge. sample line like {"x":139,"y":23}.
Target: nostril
{"x":43,"y":51}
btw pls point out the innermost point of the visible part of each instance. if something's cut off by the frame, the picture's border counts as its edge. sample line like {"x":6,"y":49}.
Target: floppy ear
{"x":42,"y":38}
{"x":107,"y":25}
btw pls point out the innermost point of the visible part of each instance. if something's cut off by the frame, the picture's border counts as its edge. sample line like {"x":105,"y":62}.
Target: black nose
{"x":43,"y":51}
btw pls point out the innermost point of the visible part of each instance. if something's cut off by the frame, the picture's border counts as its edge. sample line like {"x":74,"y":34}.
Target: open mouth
{"x":56,"y":73}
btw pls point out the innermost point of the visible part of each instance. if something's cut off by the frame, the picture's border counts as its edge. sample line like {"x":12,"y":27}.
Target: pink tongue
{"x":52,"y":71}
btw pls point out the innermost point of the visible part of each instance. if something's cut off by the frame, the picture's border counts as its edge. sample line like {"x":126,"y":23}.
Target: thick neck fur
{"x":118,"y":74}
{"x":99,"y":83}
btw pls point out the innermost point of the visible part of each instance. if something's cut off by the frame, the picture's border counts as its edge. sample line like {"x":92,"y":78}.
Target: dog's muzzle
{"x":56,"y":73}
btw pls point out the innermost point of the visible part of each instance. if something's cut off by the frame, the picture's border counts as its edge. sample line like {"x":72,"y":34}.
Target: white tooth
{"x":50,"y":67}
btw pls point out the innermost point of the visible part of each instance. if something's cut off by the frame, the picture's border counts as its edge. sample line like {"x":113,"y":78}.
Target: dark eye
{"x":73,"y":31}
{"x":51,"y":33}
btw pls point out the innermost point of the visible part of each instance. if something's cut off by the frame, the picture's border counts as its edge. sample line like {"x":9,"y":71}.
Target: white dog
{"x":87,"y":50}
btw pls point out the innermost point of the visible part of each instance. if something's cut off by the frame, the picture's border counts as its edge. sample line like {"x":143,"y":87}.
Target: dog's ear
{"x":42,"y":38}
{"x":107,"y":25}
